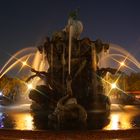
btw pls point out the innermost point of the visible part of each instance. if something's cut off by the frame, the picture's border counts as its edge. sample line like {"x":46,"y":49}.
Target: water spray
{"x":69,"y":79}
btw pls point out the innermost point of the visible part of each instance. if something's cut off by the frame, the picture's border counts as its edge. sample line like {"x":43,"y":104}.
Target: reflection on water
{"x":127,"y":117}
{"x":119,"y":121}
{"x":23,"y":121}
{"x":1,"y":120}
{"x":123,"y":118}
{"x":16,"y":117}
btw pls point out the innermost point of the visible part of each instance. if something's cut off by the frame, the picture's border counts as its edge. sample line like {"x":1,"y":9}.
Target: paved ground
{"x":133,"y":134}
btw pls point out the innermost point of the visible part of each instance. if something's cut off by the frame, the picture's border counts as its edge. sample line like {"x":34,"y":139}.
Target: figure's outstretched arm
{"x":37,"y":74}
{"x":40,"y":72}
{"x":102,"y":72}
{"x":31,"y":77}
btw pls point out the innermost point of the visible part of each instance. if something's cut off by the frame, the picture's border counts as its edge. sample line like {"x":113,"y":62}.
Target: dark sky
{"x":24,"y":23}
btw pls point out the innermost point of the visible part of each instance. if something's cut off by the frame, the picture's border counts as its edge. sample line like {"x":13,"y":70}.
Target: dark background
{"x":25,"y":23}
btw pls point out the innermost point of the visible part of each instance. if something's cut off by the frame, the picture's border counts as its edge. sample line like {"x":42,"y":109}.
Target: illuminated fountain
{"x":126,"y":63}
{"x":13,"y":89}
{"x":72,"y":88}
{"x":69,"y":77}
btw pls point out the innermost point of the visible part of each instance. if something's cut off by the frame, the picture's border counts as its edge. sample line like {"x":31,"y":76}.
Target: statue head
{"x":74,"y":14}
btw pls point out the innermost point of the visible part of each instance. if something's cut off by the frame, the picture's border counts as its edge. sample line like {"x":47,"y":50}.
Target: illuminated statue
{"x":74,"y":95}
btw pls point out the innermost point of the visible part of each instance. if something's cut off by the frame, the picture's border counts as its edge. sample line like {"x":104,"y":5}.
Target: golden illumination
{"x":113,"y":85}
{"x":23,"y":121}
{"x":115,"y":122}
{"x":15,"y":57}
{"x":24,"y":63}
{"x":120,"y":119}
{"x":3,"y":72}
{"x":30,"y":86}
{"x":122,"y":63}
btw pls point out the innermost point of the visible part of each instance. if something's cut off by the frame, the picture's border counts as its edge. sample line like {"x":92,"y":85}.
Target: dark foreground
{"x":70,"y":135}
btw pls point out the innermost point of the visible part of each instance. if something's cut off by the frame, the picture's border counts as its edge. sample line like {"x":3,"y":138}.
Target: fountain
{"x":72,"y":92}
{"x":68,"y":82}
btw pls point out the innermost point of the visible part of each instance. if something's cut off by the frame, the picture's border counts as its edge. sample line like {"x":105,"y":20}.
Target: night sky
{"x":25,"y":23}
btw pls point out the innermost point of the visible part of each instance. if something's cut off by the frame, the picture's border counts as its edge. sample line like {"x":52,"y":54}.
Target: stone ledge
{"x":7,"y":134}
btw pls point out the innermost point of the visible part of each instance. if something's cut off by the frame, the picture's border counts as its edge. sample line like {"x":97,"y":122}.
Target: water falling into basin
{"x":40,"y":62}
{"x":119,"y":55}
{"x":16,"y":58}
{"x":123,"y":51}
{"x":25,"y":57}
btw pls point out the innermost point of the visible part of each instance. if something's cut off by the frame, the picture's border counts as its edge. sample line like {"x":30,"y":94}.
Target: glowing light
{"x":14,"y":64}
{"x":116,"y":81}
{"x":30,"y":86}
{"x":135,"y":62}
{"x":1,"y":93}
{"x":115,"y":122}
{"x":122,"y":64}
{"x":15,"y":56}
{"x":125,"y":52}
{"x":24,"y":63}
{"x":121,"y":120}
{"x":113,"y":85}
{"x":23,"y":121}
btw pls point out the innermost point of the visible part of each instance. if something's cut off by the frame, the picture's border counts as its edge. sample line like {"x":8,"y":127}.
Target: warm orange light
{"x":23,"y":121}
{"x":24,"y":63}
{"x":113,"y":85}
{"x":122,"y":63}
{"x":30,"y":86}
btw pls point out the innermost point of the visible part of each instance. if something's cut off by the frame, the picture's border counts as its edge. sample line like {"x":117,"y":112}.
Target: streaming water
{"x":21,"y":117}
{"x":16,"y":58}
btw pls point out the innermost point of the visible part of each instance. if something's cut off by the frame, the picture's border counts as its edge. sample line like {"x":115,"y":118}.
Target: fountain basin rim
{"x":8,"y":134}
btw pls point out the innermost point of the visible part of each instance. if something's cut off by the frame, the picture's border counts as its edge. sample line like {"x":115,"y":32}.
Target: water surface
{"x":20,"y":117}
